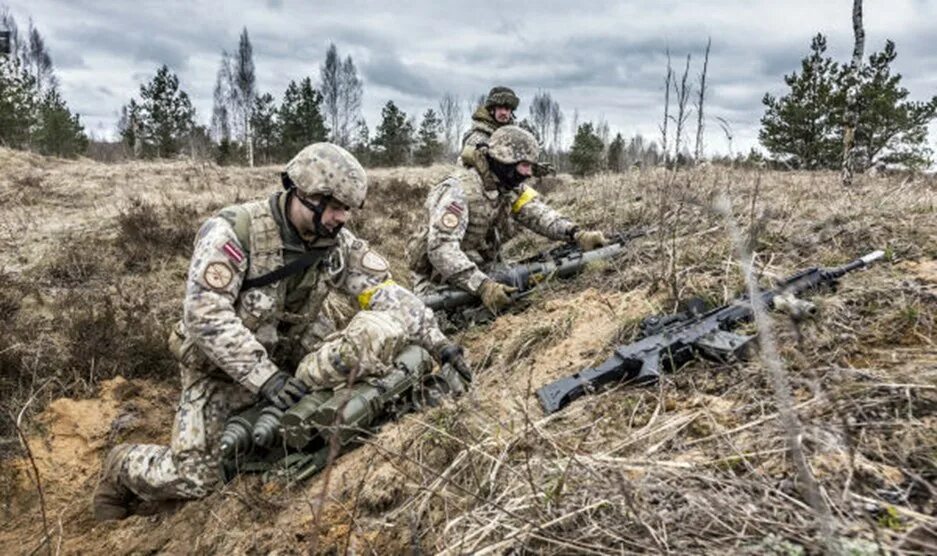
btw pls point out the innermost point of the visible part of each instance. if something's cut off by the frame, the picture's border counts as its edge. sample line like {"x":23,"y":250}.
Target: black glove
{"x":283,"y":390}
{"x":453,"y":355}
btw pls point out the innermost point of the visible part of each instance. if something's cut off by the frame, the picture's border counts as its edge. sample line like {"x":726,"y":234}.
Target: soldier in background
{"x":253,"y":308}
{"x":497,"y":111}
{"x":470,"y":215}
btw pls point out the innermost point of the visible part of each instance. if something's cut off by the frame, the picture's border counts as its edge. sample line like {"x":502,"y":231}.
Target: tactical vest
{"x":263,"y":310}
{"x":489,"y":226}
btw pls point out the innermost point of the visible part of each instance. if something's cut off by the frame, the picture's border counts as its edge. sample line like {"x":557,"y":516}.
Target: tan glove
{"x":495,"y":295}
{"x":590,"y":240}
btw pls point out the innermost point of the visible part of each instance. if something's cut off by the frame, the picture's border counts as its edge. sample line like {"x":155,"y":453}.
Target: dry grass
{"x":699,"y":464}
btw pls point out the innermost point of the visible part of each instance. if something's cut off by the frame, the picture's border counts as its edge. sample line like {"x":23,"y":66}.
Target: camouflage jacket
{"x":483,"y":125}
{"x":467,"y":222}
{"x":238,"y":330}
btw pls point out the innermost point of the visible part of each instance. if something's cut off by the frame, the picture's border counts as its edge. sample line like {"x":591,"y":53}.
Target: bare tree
{"x":245,"y":90}
{"x":40,"y":62}
{"x":663,"y":127}
{"x":451,"y":113}
{"x":727,"y":130}
{"x":540,"y":112}
{"x":350,"y":92}
{"x":556,"y":115}
{"x":341,"y":91}
{"x":852,"y":95}
{"x":221,"y":107}
{"x":330,"y":87}
{"x":683,"y":96}
{"x":700,"y":123}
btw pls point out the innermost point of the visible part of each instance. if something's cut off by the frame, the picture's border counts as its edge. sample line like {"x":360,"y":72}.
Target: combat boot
{"x":111,"y":500}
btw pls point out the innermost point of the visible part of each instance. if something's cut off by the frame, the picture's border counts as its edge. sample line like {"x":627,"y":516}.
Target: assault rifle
{"x":562,"y":261}
{"x":671,"y":341}
{"x":296,"y":444}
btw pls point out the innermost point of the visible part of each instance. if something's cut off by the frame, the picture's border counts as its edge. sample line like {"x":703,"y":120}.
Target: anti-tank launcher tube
{"x":266,"y":431}
{"x":237,"y":437}
{"x":349,"y":410}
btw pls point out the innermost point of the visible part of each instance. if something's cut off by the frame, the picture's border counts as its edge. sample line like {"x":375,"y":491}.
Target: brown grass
{"x":698,"y":464}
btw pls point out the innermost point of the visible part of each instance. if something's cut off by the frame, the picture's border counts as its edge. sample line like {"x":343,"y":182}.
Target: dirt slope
{"x":92,"y":264}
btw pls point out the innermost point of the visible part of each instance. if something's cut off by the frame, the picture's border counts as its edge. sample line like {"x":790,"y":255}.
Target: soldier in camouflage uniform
{"x":258,"y":278}
{"x":497,"y":111}
{"x":471,"y":214}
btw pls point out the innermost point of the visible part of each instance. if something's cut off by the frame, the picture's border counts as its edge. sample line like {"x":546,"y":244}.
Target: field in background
{"x":92,"y":264}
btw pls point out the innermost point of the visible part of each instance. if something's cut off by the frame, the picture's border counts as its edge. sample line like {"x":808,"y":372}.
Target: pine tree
{"x":300,"y":117}
{"x":18,"y":103}
{"x":166,"y":113}
{"x":805,"y":127}
{"x":394,"y":137}
{"x":586,"y":153}
{"x":60,"y":133}
{"x":361,"y":146}
{"x":891,"y":129}
{"x":266,"y":132}
{"x":430,"y":148}
{"x":800,"y":125}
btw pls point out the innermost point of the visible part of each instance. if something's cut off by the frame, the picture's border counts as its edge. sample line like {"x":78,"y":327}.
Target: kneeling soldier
{"x":253,"y":308}
{"x":471,"y":213}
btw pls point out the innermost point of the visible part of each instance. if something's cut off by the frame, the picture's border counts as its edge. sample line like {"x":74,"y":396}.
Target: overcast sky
{"x":606,"y":59}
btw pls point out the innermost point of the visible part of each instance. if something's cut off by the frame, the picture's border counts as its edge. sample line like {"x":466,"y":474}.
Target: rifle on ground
{"x":297,"y":443}
{"x":562,"y":261}
{"x":670,"y":341}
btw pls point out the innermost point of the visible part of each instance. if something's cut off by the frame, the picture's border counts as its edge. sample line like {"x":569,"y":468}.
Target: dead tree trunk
{"x":683,"y":95}
{"x":698,"y":154}
{"x":852,"y":96}
{"x":663,"y":127}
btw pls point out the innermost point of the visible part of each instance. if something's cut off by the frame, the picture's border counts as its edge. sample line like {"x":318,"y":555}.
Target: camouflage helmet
{"x":501,"y":96}
{"x":511,"y":144}
{"x":327,"y":169}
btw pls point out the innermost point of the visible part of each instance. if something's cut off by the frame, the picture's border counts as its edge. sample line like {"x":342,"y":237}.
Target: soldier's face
{"x":502,"y":114}
{"x":525,"y":168}
{"x":303,"y":215}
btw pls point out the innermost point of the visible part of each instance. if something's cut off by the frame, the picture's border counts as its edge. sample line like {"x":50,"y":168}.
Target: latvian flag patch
{"x":233,"y":252}
{"x":455,"y":208}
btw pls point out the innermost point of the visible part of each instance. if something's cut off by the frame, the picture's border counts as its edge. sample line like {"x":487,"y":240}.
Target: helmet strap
{"x":317,"y":210}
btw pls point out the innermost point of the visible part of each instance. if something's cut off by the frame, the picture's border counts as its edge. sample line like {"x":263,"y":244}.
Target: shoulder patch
{"x":374,"y":262}
{"x":218,"y":275}
{"x":232,"y":251}
{"x":455,"y":208}
{"x":449,"y":220}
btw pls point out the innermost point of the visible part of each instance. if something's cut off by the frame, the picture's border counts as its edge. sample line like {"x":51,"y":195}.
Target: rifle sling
{"x":307,"y":260}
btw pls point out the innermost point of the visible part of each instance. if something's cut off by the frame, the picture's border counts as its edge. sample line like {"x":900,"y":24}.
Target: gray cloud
{"x":605,"y":59}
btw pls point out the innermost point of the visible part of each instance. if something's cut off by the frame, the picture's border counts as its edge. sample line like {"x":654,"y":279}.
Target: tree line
{"x":802,"y":128}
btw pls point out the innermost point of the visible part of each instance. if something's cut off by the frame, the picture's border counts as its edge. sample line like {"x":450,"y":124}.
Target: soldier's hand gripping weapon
{"x":561,"y":262}
{"x":297,"y":443}
{"x":668,"y":342}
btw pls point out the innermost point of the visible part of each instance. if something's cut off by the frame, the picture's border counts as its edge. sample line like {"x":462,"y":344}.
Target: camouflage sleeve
{"x":366,"y":277}
{"x":448,"y":221}
{"x":537,"y":216}
{"x":216,"y":272}
{"x":469,"y":142}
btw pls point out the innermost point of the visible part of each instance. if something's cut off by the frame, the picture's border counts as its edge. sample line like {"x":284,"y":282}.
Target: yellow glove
{"x":590,"y":240}
{"x":495,"y":295}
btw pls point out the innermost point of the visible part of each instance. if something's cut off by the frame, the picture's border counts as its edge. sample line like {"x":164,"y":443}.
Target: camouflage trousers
{"x":190,"y":466}
{"x":366,"y":347}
